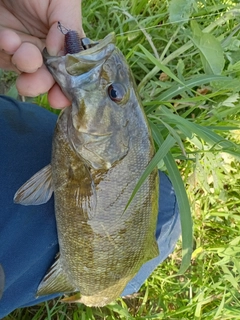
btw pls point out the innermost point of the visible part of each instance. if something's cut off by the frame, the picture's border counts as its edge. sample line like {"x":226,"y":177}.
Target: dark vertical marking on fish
{"x":73,"y":43}
{"x":2,"y":281}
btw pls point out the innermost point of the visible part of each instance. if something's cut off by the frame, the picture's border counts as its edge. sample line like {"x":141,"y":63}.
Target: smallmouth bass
{"x":101,"y":147}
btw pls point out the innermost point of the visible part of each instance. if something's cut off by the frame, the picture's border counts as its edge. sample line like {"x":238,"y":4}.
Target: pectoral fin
{"x":2,"y":281}
{"x":37,"y":190}
{"x":55,"y":281}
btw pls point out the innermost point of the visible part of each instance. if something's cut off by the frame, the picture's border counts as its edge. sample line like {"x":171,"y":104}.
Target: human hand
{"x":26,"y":27}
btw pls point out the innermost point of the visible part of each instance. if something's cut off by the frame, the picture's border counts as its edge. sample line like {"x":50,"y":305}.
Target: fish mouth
{"x":85,"y":60}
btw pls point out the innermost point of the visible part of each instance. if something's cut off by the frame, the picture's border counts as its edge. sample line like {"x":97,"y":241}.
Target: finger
{"x":27,"y":58}
{"x":54,"y":41}
{"x":33,"y":84}
{"x":69,"y":16}
{"x":57,"y":99}
{"x":9,"y":41}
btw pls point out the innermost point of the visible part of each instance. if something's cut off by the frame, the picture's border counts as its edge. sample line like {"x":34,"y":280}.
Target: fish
{"x":101,"y":146}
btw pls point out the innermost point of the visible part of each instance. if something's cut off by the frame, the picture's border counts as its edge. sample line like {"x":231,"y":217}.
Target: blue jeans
{"x":28,"y":236}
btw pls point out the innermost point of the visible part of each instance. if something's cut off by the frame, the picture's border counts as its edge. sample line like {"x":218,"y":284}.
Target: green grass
{"x":185,"y":58}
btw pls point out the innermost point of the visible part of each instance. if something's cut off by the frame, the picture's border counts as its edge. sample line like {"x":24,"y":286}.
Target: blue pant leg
{"x":28,"y":237}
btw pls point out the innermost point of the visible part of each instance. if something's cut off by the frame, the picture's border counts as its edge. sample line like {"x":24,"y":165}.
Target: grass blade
{"x":212,"y":138}
{"x":161,"y":66}
{"x":161,"y":153}
{"x":182,"y":199}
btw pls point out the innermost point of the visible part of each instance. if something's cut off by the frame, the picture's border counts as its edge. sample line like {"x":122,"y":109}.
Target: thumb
{"x":70,"y":16}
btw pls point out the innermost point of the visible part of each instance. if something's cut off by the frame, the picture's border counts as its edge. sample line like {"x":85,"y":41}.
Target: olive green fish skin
{"x":100,"y":150}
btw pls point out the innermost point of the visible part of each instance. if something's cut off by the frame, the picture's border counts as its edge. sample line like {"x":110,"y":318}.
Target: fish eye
{"x":116,"y":92}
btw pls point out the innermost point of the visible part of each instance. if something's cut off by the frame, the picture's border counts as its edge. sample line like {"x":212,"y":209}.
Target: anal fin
{"x":55,"y":281}
{"x":37,"y":190}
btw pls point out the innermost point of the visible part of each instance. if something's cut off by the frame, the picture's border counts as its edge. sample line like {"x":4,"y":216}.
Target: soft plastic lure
{"x":73,"y":42}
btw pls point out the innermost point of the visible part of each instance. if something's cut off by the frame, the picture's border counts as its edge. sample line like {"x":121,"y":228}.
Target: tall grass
{"x":184,"y":55}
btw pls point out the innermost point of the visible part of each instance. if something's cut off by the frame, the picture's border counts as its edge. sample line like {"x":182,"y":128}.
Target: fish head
{"x":101,"y":87}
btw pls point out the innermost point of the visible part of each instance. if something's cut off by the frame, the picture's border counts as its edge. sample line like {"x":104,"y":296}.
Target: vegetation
{"x":184,"y":55}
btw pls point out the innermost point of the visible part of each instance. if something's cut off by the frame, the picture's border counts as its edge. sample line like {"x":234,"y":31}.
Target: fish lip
{"x":88,"y":58}
{"x":110,"y":39}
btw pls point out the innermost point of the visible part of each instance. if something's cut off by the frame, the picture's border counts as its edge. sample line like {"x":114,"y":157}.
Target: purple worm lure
{"x":73,"y":42}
